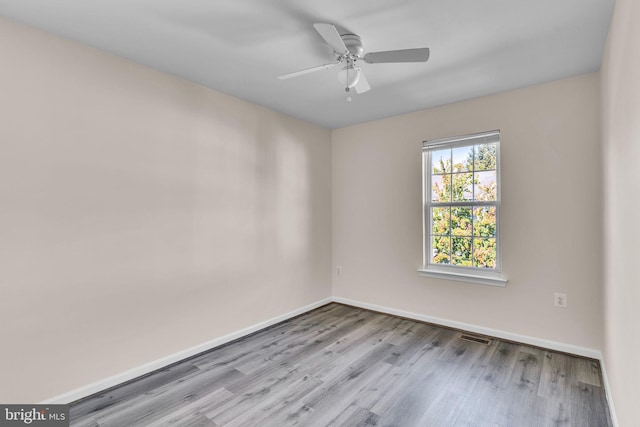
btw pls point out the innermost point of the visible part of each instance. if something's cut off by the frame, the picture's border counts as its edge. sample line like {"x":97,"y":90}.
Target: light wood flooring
{"x":344,"y":366}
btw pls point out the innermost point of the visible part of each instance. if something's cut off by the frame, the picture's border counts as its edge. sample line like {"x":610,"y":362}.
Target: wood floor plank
{"x":194,"y":412}
{"x":501,"y":364}
{"x":354,"y":416}
{"x":557,"y":376}
{"x":148,"y":407}
{"x":268,"y":409}
{"x":345,"y":366}
{"x":378,"y":328}
{"x":587,"y":408}
{"x":481,"y":406}
{"x":351,"y":378}
{"x":445,"y":410}
{"x":321,"y":406}
{"x":469,"y":366}
{"x":408,"y":406}
{"x":302,"y":344}
{"x":407,"y":400}
{"x":414,"y":340}
{"x":520,"y":404}
{"x":111,"y":397}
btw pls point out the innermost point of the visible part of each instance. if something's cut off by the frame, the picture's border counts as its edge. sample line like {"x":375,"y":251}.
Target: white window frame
{"x":455,"y":272}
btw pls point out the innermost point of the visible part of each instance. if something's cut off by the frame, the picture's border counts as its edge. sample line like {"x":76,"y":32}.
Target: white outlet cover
{"x":560,"y":300}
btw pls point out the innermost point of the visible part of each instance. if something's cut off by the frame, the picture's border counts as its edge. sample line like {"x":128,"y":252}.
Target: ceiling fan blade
{"x":308,"y":70}
{"x":330,"y":35}
{"x":363,"y":85}
{"x":403,"y":55}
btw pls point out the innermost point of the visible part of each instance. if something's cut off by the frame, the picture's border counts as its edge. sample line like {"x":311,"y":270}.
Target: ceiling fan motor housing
{"x":353,"y":44}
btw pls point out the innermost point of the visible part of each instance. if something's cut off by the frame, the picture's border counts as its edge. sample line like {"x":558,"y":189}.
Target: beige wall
{"x":621,"y":135}
{"x":550,"y":219}
{"x":141,"y":215}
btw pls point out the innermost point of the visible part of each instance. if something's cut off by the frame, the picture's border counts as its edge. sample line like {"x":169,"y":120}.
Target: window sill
{"x":491,"y":279}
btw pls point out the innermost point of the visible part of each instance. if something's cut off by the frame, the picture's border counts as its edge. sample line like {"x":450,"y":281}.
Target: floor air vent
{"x":475,"y":338}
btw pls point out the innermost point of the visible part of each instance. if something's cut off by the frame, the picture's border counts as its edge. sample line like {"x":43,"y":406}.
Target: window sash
{"x":492,"y":137}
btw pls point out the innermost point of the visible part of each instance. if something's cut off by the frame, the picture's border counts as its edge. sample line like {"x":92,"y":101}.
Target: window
{"x":461,"y":181}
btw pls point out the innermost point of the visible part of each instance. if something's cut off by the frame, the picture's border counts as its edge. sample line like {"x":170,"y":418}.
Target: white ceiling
{"x":478,"y":47}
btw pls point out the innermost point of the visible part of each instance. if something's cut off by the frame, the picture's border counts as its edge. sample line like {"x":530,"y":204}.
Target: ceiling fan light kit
{"x":348,"y":49}
{"x":349,"y":76}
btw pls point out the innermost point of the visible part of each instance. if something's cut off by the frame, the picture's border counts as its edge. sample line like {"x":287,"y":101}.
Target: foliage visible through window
{"x":462,"y":202}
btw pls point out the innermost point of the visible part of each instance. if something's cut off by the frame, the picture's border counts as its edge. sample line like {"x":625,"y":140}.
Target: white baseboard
{"x":106,"y":383}
{"x":538,"y":342}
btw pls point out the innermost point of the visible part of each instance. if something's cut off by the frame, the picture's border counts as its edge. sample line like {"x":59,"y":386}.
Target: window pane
{"x":485,"y":157}
{"x":462,"y":159}
{"x":441,"y":188}
{"x":462,"y":186}
{"x":441,"y":248}
{"x":484,"y":252}
{"x":461,"y":251}
{"x":484,"y":221}
{"x":441,"y":218}
{"x":441,"y":161}
{"x":461,"y":201}
{"x":485,"y":187}
{"x":461,"y":221}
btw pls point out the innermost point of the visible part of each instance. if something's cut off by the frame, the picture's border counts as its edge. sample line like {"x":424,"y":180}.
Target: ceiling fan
{"x":348,"y":50}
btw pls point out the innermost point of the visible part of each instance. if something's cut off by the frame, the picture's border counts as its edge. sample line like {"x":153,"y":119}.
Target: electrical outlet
{"x":560,"y":300}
